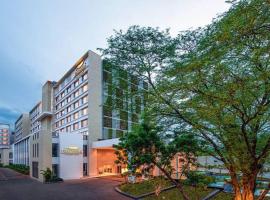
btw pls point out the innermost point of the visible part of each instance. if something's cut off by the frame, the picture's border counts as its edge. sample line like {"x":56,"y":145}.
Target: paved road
{"x":14,"y":186}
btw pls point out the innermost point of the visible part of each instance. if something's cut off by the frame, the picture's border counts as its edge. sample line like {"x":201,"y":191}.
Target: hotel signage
{"x":71,"y":150}
{"x":80,"y":69}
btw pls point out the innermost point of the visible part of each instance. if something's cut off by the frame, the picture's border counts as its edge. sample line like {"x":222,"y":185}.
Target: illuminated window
{"x":68,"y":118}
{"x":84,"y":123}
{"x":76,"y":115}
{"x":84,"y":88}
{"x":68,"y":108}
{"x":69,"y":99}
{"x":84,"y":99}
{"x":75,"y":126}
{"x":85,"y":111}
{"x":84,"y":76}
{"x":76,"y":93}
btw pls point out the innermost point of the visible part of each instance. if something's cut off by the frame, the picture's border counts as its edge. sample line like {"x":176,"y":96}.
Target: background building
{"x":20,"y":147}
{"x":22,"y":126}
{"x":5,"y":152}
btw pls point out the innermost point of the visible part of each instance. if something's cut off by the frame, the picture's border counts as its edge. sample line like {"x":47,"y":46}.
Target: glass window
{"x":84,"y":99}
{"x":84,"y":123}
{"x":76,"y":115}
{"x":84,"y":150}
{"x":84,"y":88}
{"x":75,"y":126}
{"x":85,"y":111}
{"x":55,"y":149}
{"x":68,"y":118}
{"x":76,"y":104}
{"x":76,"y":83}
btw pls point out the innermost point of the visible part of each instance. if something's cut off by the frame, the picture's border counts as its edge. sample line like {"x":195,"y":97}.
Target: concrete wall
{"x":71,"y":165}
{"x":95,"y":107}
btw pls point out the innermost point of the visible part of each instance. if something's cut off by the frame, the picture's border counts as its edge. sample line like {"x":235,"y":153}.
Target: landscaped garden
{"x":151,"y":185}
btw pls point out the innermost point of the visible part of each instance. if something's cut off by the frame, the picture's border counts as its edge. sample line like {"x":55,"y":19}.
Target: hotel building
{"x":81,"y":116}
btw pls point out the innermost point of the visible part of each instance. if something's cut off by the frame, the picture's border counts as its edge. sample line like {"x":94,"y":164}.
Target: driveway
{"x":14,"y":186}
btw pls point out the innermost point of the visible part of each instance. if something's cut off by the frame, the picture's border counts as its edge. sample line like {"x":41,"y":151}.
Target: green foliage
{"x":198,"y":179}
{"x":19,"y":168}
{"x":213,"y":82}
{"x":47,"y":174}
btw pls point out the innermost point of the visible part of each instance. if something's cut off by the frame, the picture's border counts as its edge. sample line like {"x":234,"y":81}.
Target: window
{"x":62,"y":94}
{"x":68,"y":99}
{"x":68,"y":89}
{"x":76,"y":93}
{"x":75,"y":126}
{"x":68,"y":128}
{"x":76,"y":104}
{"x":68,"y":119}
{"x":68,"y":109}
{"x":55,"y":170}
{"x":76,"y":115}
{"x":84,"y":88}
{"x":37,"y":149}
{"x":84,"y":76}
{"x":84,"y":99}
{"x":85,"y":169}
{"x":84,"y":123}
{"x":76,"y":83}
{"x":84,"y":150}
{"x":85,"y":111}
{"x":55,"y":149}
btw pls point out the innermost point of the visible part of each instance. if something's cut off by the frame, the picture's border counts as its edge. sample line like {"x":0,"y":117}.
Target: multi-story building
{"x":5,"y":151}
{"x":22,"y":126}
{"x":81,"y":116}
{"x":4,"y":135}
{"x":22,"y":135}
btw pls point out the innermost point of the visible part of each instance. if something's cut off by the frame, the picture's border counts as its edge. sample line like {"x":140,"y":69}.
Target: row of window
{"x":35,"y":152}
{"x":118,"y":124}
{"x":71,"y":87}
{"x":36,"y":136}
{"x":75,"y":126}
{"x":71,"y":117}
{"x":72,"y":107}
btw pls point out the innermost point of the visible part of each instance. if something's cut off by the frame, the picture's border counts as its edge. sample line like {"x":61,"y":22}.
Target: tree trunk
{"x":177,"y":184}
{"x":236,"y":186}
{"x":248,"y":183}
{"x":246,"y":191}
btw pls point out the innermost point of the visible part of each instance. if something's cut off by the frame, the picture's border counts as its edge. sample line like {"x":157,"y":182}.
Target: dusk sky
{"x":40,"y":40}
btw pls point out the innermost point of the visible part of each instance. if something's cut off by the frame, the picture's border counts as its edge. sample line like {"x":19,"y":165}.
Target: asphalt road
{"x":14,"y":186}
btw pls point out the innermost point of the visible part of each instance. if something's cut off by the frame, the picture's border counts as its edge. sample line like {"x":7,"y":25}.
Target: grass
{"x":173,"y":194}
{"x":145,"y":186}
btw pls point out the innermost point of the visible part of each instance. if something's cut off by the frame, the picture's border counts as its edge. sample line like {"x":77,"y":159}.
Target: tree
{"x":145,"y":146}
{"x":213,"y":82}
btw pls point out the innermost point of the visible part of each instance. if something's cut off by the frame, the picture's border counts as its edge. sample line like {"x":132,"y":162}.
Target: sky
{"x":40,"y":40}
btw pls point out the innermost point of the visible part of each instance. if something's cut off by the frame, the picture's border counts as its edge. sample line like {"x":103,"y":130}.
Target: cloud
{"x":8,"y":116}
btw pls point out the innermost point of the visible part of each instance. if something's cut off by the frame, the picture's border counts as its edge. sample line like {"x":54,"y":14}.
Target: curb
{"x":117,"y":189}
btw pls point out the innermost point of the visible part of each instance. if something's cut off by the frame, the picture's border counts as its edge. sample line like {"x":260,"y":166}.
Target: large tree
{"x":214,"y":80}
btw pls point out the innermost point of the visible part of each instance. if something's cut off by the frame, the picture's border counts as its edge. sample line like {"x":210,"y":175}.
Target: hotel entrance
{"x":106,"y":162}
{"x":102,"y":159}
